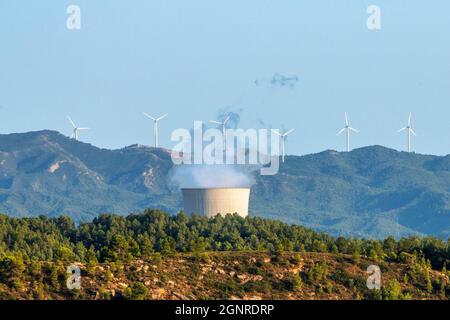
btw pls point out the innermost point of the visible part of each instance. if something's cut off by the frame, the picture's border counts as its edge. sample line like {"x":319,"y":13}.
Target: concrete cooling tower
{"x":212,"y":201}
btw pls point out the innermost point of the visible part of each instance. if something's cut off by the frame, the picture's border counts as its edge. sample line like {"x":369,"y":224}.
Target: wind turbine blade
{"x":346,"y":119}
{"x":276,"y":132}
{"x":412,"y":131}
{"x":353,"y":129}
{"x":215,"y":122}
{"x":409,"y":119}
{"x":342,"y":130}
{"x":148,"y":116}
{"x":286,"y":133}
{"x":82,"y":128}
{"x":402,"y":129}
{"x":162,"y":117}
{"x":226,"y":119}
{"x":71,"y":122}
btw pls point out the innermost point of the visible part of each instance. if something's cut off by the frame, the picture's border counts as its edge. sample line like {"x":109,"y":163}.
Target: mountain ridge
{"x":371,"y":191}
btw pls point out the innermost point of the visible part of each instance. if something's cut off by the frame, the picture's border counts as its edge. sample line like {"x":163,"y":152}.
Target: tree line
{"x":110,"y":238}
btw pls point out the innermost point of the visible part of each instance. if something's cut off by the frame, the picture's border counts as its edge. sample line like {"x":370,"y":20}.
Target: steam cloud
{"x":214,"y":176}
{"x":210,"y":176}
{"x":279,"y":80}
{"x":234,"y":116}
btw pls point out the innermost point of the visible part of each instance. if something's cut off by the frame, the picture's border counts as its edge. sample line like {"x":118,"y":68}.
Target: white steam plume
{"x":210,"y":176}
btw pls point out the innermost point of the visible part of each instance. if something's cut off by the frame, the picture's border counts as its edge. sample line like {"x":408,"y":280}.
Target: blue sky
{"x":193,"y":58}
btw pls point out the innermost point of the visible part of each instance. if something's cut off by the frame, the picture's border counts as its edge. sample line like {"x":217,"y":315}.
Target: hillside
{"x":234,"y":275}
{"x":369,"y":192}
{"x":372,"y":191}
{"x":152,"y":255}
{"x":47,"y":173}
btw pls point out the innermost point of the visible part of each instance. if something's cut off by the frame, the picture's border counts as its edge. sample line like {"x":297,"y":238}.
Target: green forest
{"x":34,"y":253}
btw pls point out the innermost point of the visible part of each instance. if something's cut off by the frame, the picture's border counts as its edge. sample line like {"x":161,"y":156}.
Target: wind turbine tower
{"x":282,"y":141}
{"x":410,"y":130}
{"x":155,"y":127}
{"x":348,"y":129}
{"x":75,"y":130}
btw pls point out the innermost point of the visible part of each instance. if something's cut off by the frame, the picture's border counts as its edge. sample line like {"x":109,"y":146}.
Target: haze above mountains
{"x":369,"y":192}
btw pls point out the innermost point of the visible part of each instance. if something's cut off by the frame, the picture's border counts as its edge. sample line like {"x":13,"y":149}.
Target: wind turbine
{"x":74,"y":134}
{"x":282,"y":141}
{"x":223,"y":125}
{"x":155,"y":128}
{"x":410,"y":130}
{"x":348,"y":129}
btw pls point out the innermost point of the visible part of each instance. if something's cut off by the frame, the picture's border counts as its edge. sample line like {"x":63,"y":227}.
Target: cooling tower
{"x":211,"y":201}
